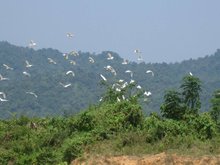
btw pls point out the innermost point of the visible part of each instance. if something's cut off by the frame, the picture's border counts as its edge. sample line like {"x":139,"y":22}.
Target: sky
{"x":163,"y":30}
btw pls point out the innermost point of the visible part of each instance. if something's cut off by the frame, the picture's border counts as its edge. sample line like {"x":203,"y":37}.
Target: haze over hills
{"x":85,"y":90}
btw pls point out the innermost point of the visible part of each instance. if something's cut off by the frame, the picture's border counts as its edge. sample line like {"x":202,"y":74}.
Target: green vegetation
{"x":115,"y":128}
{"x":53,"y":100}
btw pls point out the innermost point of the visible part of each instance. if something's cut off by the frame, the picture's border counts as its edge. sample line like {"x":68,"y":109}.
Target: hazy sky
{"x":164,"y":30}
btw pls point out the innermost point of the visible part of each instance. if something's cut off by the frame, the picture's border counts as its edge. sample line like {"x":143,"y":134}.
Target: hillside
{"x":85,"y":87}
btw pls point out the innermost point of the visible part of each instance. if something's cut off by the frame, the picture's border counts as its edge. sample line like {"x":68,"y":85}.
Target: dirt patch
{"x":158,"y":159}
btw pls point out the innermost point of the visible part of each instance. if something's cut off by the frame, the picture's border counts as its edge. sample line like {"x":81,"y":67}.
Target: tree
{"x":215,"y":110}
{"x":191,"y":87}
{"x":172,"y":107}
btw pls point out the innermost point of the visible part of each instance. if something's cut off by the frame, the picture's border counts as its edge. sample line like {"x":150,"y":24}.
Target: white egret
{"x":51,"y":61}
{"x":147,"y":93}
{"x":32,"y":93}
{"x":138,"y":87}
{"x":190,"y":73}
{"x":125,"y":62}
{"x":103,"y":77}
{"x":65,"y":86}
{"x":74,"y":53}
{"x":28,"y":65}
{"x":91,"y":60}
{"x":66,"y":56}
{"x":7,"y":67}
{"x":70,"y":72}
{"x":72,"y":62}
{"x":111,"y":69}
{"x":26,"y":74}
{"x":150,"y":71}
{"x":137,"y":51}
{"x":129,"y":71}
{"x":110,"y":57}
{"x":3,"y":78}
{"x":1,"y":99}
{"x":69,"y":35}
{"x":118,"y":89}
{"x":120,"y":81}
{"x":124,"y":85}
{"x":123,"y":97}
{"x":118,"y":100}
{"x":101,"y":99}
{"x":32,"y":44}
{"x":3,"y":94}
{"x":132,"y":81}
{"x":140,"y":58}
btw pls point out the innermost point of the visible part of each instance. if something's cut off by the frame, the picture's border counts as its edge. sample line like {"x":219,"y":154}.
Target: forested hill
{"x":44,"y":78}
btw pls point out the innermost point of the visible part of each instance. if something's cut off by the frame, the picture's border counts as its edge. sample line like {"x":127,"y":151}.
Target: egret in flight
{"x":72,"y":62}
{"x":70,"y":72}
{"x":74,"y":53}
{"x":110,"y":57}
{"x":125,"y":62}
{"x":65,"y":85}
{"x":51,"y":61}
{"x":28,"y":65}
{"x":32,"y":93}
{"x":91,"y":60}
{"x":147,"y":93}
{"x":129,"y":71}
{"x":26,"y":74}
{"x":7,"y":67}
{"x":150,"y":71}
{"x":69,"y":35}
{"x":3,"y":94}
{"x":66,"y":56}
{"x":103,"y":77}
{"x":138,"y":87}
{"x":32,"y":44}
{"x":1,"y":99}
{"x":3,"y":78}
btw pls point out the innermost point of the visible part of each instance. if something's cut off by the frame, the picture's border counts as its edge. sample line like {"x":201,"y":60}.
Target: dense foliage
{"x":85,"y":90}
{"x":110,"y":127}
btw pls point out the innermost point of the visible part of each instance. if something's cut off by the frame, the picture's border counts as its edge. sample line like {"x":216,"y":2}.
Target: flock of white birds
{"x":118,"y":86}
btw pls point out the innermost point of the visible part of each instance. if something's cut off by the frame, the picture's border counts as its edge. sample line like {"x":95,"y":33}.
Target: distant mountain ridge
{"x":53,"y":99}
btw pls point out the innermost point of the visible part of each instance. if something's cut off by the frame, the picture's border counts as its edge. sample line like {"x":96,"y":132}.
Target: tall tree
{"x":215,"y":110}
{"x":191,"y":88}
{"x":172,"y":107}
